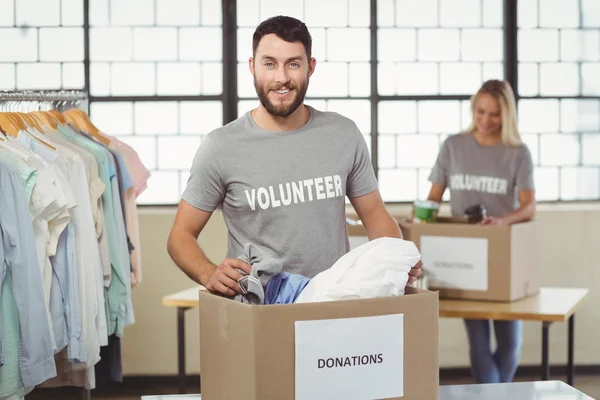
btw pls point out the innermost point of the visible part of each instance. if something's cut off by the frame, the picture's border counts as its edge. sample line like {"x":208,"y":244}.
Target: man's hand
{"x":415,"y":272}
{"x":224,"y":278}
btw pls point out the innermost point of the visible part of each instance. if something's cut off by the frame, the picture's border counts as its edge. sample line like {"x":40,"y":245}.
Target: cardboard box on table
{"x":381,"y":348}
{"x":464,"y":261}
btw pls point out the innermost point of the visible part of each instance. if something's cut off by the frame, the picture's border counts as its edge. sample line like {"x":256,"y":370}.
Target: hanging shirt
{"x":18,"y":257}
{"x":117,"y":293}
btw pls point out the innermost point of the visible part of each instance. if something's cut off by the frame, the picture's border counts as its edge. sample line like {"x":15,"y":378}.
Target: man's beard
{"x":281,"y":110}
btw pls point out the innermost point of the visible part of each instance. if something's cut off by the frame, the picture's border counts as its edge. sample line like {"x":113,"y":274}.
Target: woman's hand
{"x":493,"y":221}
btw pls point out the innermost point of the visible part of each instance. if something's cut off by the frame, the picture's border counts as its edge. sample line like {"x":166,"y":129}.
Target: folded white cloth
{"x":378,"y":268}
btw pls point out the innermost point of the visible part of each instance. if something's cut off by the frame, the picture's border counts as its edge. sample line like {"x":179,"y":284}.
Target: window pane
{"x":425,"y":185}
{"x":482,"y":45}
{"x":211,"y":13}
{"x":329,"y":79}
{"x":386,"y":79}
{"x":319,"y":43}
{"x":244,"y":43}
{"x":398,"y":184}
{"x":72,"y":12}
{"x":18,"y":45}
{"x":360,"y":79}
{"x":113,"y":118}
{"x":156,"y":117}
{"x":271,"y":8}
{"x":417,"y":78}
{"x":328,"y":13}
{"x":421,"y":13}
{"x":590,"y":13}
{"x":460,"y":13}
{"x":527,"y":13}
{"x":580,"y":116}
{"x":460,"y":78}
{"x":417,"y":150}
{"x":163,"y":188}
{"x":397,"y":44}
{"x":590,"y":79}
{"x":179,"y":78}
{"x":132,"y":12}
{"x":245,"y":81}
{"x":100,"y":79}
{"x":38,"y":13}
{"x":177,"y":152}
{"x":559,"y":13}
{"x":532,"y":142}
{"x":439,"y":116}
{"x":538,"y":116}
{"x":111,"y":44}
{"x":439,"y":45}
{"x":580,"y":183}
{"x":397,"y":117}
{"x":247,"y":105}
{"x":386,"y":147}
{"x":133,"y":79}
{"x":493,"y":71}
{"x":358,"y":111}
{"x":61,"y":44}
{"x":385,"y":13}
{"x":350,"y":44}
{"x":546,"y":182}
{"x":359,"y":13}
{"x":589,"y":147}
{"x":200,"y":117}
{"x":212,"y":78}
{"x":528,"y":79}
{"x":466,"y":116}
{"x":538,"y":45}
{"x":492,"y":13}
{"x":99,"y":13}
{"x":145,"y":146}
{"x":559,"y":149}
{"x":559,"y":79}
{"x":184,"y":12}
{"x":73,"y":76}
{"x":155,"y":44}
{"x":247,"y":13}
{"x":7,"y":18}
{"x":203,"y":44}
{"x":580,"y":45}
{"x":39,"y":76}
{"x":7,"y":77}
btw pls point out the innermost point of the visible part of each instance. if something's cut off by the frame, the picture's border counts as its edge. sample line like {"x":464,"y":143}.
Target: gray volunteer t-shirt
{"x":284,"y":191}
{"x":488,"y":175}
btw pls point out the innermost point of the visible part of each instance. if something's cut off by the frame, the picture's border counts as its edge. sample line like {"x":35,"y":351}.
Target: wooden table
{"x":496,"y":391}
{"x":550,"y":305}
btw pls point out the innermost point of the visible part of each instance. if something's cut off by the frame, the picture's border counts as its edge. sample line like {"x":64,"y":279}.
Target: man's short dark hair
{"x":286,"y":28}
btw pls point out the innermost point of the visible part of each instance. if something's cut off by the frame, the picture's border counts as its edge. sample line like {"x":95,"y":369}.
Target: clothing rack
{"x":44,"y":100}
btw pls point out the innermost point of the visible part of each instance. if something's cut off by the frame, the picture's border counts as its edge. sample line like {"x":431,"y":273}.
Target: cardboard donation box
{"x":464,"y":261}
{"x":381,"y":348}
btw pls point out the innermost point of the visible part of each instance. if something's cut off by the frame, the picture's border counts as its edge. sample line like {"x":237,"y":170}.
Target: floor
{"x":589,"y":385}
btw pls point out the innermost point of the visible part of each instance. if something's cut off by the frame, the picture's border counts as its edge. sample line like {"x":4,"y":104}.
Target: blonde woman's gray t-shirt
{"x":488,"y":175}
{"x":284,"y":191}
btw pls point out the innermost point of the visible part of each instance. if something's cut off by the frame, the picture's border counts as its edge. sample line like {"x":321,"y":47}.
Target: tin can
{"x":475,"y":214}
{"x":425,"y":211}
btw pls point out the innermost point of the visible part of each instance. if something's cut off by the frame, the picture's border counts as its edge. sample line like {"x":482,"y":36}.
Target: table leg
{"x":181,"y":348}
{"x":85,"y":394}
{"x":571,"y":350}
{"x":545,"y":361}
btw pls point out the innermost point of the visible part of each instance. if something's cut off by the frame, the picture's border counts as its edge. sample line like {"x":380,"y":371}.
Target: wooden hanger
{"x":80,"y":119}
{"x":7,"y":125}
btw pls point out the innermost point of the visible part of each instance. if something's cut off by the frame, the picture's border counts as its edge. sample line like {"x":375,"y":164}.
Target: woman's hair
{"x":503,"y":93}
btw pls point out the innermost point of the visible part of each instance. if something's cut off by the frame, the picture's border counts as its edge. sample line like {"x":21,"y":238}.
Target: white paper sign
{"x":456,"y":263}
{"x":350,"y":358}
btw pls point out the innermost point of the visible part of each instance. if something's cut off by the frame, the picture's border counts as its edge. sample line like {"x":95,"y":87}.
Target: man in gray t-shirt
{"x":489,"y":175}
{"x":280,"y":173}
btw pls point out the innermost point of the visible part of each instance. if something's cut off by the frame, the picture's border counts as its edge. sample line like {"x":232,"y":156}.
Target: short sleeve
{"x":205,"y":188}
{"x":361,"y":180}
{"x":525,"y":171}
{"x":439,"y":172}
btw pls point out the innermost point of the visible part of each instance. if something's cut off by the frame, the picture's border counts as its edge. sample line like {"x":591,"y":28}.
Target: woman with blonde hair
{"x":489,"y":165}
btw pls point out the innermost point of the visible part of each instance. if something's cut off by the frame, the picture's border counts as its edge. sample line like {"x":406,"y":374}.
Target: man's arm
{"x":375,"y":217}
{"x":185,"y":251}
